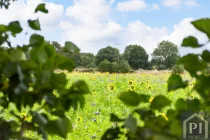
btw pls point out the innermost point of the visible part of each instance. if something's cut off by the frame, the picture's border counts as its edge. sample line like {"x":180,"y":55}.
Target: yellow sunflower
{"x":151,"y":99}
{"x":111,"y":87}
{"x":130,"y":82}
{"x":79,"y":119}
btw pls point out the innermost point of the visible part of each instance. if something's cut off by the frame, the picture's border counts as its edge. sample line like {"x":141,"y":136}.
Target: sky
{"x":95,"y":24}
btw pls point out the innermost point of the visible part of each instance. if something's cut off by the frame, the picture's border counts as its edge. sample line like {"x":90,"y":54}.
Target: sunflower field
{"x":93,"y":120}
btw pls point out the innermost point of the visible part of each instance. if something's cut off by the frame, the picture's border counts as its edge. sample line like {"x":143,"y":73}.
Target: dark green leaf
{"x":79,"y":87}
{"x":175,"y":128}
{"x":41,"y":8}
{"x":34,"y":24}
{"x":114,"y":118}
{"x":64,"y":63}
{"x":15,"y":27}
{"x":130,"y":98}
{"x":111,"y":134}
{"x":61,"y":127}
{"x":206,"y":56}
{"x":160,"y":102}
{"x":175,"y":82}
{"x":60,"y":79}
{"x":36,"y":40}
{"x":144,"y":113}
{"x":171,"y":114}
{"x":181,"y":104}
{"x":71,"y":47}
{"x":193,"y":105}
{"x":191,"y":41}
{"x":203,"y":25}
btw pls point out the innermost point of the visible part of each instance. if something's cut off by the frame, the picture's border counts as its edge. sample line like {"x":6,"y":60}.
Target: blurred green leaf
{"x":192,"y":64}
{"x":64,"y":63}
{"x":203,"y":25}
{"x":202,"y":86}
{"x":71,"y":47}
{"x":60,"y":79}
{"x":36,"y":40}
{"x":41,"y":8}
{"x":181,"y":104}
{"x":111,"y":134}
{"x":3,"y":28}
{"x":34,"y":24}
{"x":79,"y":87}
{"x":131,"y":123}
{"x":15,"y":27}
{"x":206,"y":56}
{"x":59,"y":127}
{"x":130,"y":98}
{"x":38,"y":54}
{"x":193,"y":104}
{"x":175,"y":82}
{"x":114,"y":118}
{"x":160,"y":102}
{"x":191,"y":41}
{"x":38,"y":119}
{"x":175,"y":128}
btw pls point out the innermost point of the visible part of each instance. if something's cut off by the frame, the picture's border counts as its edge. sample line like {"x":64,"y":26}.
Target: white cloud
{"x":112,"y":1}
{"x":23,"y":10}
{"x":155,"y":6}
{"x":89,"y":25}
{"x":179,"y":3}
{"x":131,"y":5}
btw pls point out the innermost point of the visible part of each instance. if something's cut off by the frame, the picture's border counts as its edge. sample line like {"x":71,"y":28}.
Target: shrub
{"x":114,"y":67}
{"x":178,"y":69}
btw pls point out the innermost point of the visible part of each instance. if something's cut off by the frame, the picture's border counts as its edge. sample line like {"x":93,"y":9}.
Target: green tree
{"x":109,"y":53}
{"x":136,"y":56}
{"x":165,"y":55}
{"x":87,"y":60}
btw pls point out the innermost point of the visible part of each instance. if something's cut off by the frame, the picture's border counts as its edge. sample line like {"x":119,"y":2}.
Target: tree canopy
{"x":109,"y":53}
{"x":165,"y":55}
{"x":136,"y":56}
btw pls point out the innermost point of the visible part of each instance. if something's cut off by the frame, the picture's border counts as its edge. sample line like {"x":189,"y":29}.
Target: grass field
{"x":93,"y":120}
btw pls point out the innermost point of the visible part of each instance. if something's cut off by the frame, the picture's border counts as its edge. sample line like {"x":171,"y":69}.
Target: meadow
{"x":94,"y":119}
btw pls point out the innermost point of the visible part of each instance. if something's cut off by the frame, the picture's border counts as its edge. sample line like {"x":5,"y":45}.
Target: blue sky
{"x":94,"y":24}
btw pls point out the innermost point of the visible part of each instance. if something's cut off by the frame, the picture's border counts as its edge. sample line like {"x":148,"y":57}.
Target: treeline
{"x":134,"y":57}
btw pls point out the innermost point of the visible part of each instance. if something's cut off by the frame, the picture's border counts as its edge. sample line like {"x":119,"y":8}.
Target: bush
{"x":114,"y":67}
{"x":178,"y":69}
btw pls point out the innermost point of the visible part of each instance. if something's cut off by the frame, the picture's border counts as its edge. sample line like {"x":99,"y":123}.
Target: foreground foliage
{"x":32,"y":86}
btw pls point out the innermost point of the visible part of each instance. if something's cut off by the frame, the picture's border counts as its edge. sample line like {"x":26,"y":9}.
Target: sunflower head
{"x":79,"y":119}
{"x":111,"y":87}
{"x":130,"y":82}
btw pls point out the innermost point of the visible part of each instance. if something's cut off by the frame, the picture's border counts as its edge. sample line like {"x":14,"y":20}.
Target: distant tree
{"x":87,"y":60}
{"x":136,"y":56}
{"x":109,"y":53}
{"x":165,"y":55}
